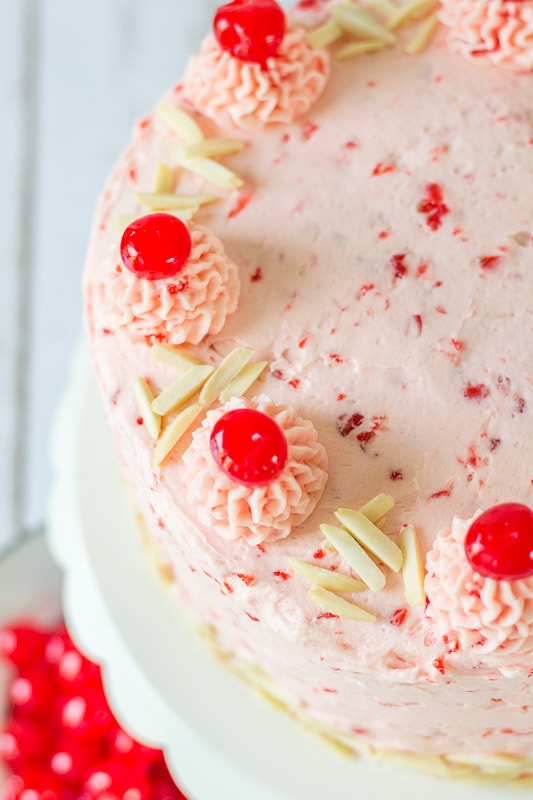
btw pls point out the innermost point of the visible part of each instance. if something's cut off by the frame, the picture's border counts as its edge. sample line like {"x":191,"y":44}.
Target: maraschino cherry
{"x":499,"y":543}
{"x":250,"y":30}
{"x":249,"y":446}
{"x":156,"y":246}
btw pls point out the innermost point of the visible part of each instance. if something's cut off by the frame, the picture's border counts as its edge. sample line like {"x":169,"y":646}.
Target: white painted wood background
{"x":73,"y":78}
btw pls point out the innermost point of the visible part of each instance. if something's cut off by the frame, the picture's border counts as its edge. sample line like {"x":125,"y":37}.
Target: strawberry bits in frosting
{"x":262,"y":512}
{"x":184,"y":307}
{"x":480,"y":614}
{"x":239,"y":94}
{"x":498,"y":32}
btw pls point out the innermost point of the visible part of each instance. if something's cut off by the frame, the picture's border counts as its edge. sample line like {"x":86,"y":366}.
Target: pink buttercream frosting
{"x":183,"y":308}
{"x":498,"y":32}
{"x":260,"y":513}
{"x":479,"y":614}
{"x":242,"y":95}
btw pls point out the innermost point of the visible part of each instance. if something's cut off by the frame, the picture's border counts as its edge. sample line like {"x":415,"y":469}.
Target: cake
{"x":309,"y":298}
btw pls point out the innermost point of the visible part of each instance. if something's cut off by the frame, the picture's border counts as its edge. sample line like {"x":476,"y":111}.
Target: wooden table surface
{"x":73,"y":78}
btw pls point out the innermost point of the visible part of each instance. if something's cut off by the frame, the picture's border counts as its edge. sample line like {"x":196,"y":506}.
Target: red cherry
{"x":69,"y":760}
{"x":156,"y":246}
{"x":21,"y":644}
{"x":87,"y":716}
{"x":499,"y":543}
{"x":163,"y":787}
{"x":115,"y":778}
{"x":22,"y":742}
{"x":122,"y":746}
{"x":251,"y":30}
{"x":33,"y":693}
{"x":249,"y":446}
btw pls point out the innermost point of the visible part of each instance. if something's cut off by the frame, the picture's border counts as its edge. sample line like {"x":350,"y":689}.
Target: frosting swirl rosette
{"x":239,"y":94}
{"x":183,"y":308}
{"x":257,"y":513}
{"x":498,"y":32}
{"x":480,"y":614}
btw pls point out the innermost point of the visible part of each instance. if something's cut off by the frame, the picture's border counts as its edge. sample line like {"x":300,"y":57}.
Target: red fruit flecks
{"x":249,"y":446}
{"x":499,"y":543}
{"x":21,"y":644}
{"x":476,"y":391}
{"x":156,"y":246}
{"x":250,"y":30}
{"x":346,"y":424}
{"x":433,"y":206}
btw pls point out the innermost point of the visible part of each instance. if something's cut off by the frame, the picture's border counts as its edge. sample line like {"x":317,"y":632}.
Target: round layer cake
{"x":353,"y":263}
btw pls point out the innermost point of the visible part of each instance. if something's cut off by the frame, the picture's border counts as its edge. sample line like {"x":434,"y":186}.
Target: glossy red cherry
{"x":499,"y":543}
{"x":249,"y":446}
{"x":115,"y":778}
{"x":156,"y":246}
{"x":32,"y":693}
{"x":22,"y":742}
{"x":251,"y":30}
{"x":21,"y":644}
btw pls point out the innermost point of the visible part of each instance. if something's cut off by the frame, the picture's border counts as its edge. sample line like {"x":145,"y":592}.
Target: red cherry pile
{"x":249,"y":446}
{"x":250,"y":30}
{"x":156,"y":246}
{"x":499,"y":543}
{"x":61,"y":741}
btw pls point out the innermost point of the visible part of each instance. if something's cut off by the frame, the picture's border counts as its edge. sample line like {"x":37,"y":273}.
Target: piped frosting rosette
{"x":257,"y":513}
{"x":239,"y":94}
{"x":498,"y":32}
{"x":183,"y":308}
{"x":479,"y":614}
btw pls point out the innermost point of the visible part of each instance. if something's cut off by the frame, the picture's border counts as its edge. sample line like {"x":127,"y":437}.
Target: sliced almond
{"x":355,"y":556}
{"x":325,"y":34}
{"x":327,"y":546}
{"x":210,"y":170}
{"x":359,"y":49}
{"x":413,"y":567}
{"x":143,"y":397}
{"x":371,"y":538}
{"x":174,"y":431}
{"x":213,"y":148}
{"x":376,"y":508}
{"x":423,"y":36}
{"x":327,"y":578}
{"x":384,"y":7}
{"x":181,"y":389}
{"x":186,"y":214}
{"x":181,"y":123}
{"x":338,"y":605}
{"x":242,"y":381}
{"x":163,"y":201}
{"x":410,"y":12}
{"x":352,"y":19}
{"x":163,"y":179}
{"x":224,"y":374}
{"x":172,"y":357}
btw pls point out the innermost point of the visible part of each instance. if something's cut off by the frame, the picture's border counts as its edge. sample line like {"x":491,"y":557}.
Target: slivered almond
{"x":326,"y":545}
{"x":338,"y":605}
{"x":163,"y":180}
{"x":143,"y":397}
{"x":163,"y":201}
{"x":355,"y":556}
{"x":325,"y":34}
{"x":377,"y":507}
{"x":213,"y":148}
{"x":172,"y":357}
{"x":352,"y":19}
{"x":186,"y":214}
{"x":410,"y":12}
{"x":210,"y":170}
{"x":181,"y":389}
{"x":174,"y":431}
{"x":224,"y":374}
{"x":413,"y":567}
{"x":242,"y":381}
{"x":181,"y":123}
{"x":371,"y":538}
{"x":425,"y":32}
{"x":327,"y":578}
{"x":384,"y":7}
{"x":359,"y":49}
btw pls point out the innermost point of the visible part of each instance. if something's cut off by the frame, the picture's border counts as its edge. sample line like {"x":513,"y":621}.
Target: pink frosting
{"x":480,"y":614}
{"x":261,"y":513}
{"x":498,"y":32}
{"x":184,"y":308}
{"x":243,"y":95}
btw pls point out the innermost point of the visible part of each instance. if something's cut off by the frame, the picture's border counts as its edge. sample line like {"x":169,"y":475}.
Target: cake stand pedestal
{"x":222,"y":741}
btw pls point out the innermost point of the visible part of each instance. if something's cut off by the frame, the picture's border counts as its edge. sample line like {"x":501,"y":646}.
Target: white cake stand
{"x":222,"y":741}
